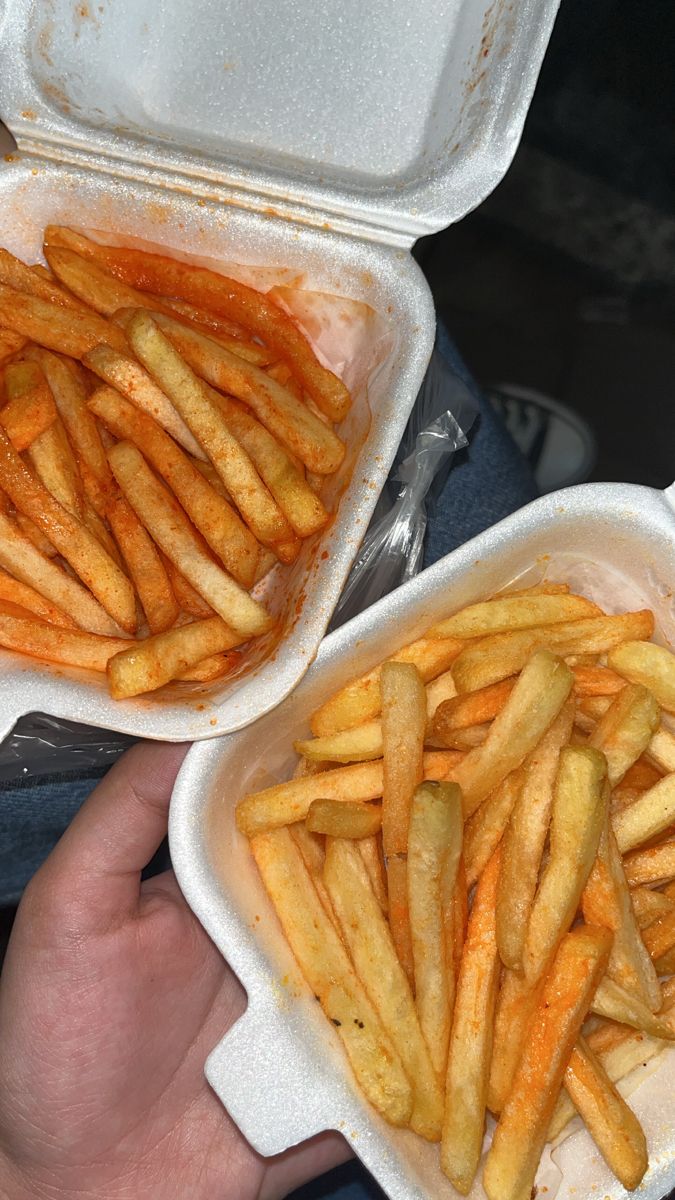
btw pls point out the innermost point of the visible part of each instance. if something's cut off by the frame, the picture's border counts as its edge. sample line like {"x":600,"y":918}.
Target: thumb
{"x":91,"y":881}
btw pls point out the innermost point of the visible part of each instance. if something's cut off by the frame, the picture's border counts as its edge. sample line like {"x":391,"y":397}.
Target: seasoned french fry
{"x":648,"y":816}
{"x":648,"y":664}
{"x":228,"y":298}
{"x":520,"y":1135}
{"x":534,"y":703}
{"x":399,"y":915}
{"x":617,"y":1004}
{"x":216,"y":520}
{"x":626,"y":730}
{"x":312,"y":849}
{"x":190,"y":398}
{"x":344,"y":818}
{"x":652,"y":866}
{"x":516,"y":1003}
{"x":30,"y":530}
{"x":325,"y":964}
{"x":502,"y":654}
{"x":20,"y":630}
{"x":188,"y":598}
{"x":52,"y":459}
{"x":659,"y":937}
{"x":25,"y":596}
{"x":648,"y":905}
{"x":360,"y":700}
{"x":16,"y":274}
{"x":370,"y":850}
{"x":472,"y":708}
{"x":525,"y":837}
{"x":284,"y":803}
{"x":31,"y":409}
{"x":77,"y":545}
{"x":370,"y":945}
{"x":614,"y":1128}
{"x":71,"y":331}
{"x":456,"y":918}
{"x":507,"y":613}
{"x":606,"y":901}
{"x":579,"y":812}
{"x":403,"y":727}
{"x":156,"y":508}
{"x":10,"y":344}
{"x":596,"y":681}
{"x":149,"y":664}
{"x":144,"y":564}
{"x":484,"y":830}
{"x":434,"y":851}
{"x":471,"y":1039}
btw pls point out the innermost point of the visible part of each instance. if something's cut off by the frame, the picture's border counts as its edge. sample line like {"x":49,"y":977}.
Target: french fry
{"x":579,"y":812}
{"x":372,"y":951}
{"x":360,"y":699}
{"x":212,"y":323}
{"x":312,"y":849}
{"x":502,"y":654}
{"x":606,"y":901}
{"x":596,"y":681}
{"x":485,"y":829}
{"x":648,"y":816}
{"x":154,"y":661}
{"x":216,"y":520}
{"x":52,"y":459}
{"x":314,"y":442}
{"x":70,"y":331}
{"x":370,"y":850}
{"x":344,"y":819}
{"x":520,"y":1135}
{"x":536,"y":699}
{"x":16,"y":274}
{"x":617,"y":1004}
{"x":471,"y":1038}
{"x":19,"y":556}
{"x":25,"y":596}
{"x":284,"y":803}
{"x":166,"y":523}
{"x":396,"y":868}
{"x":434,"y":851}
{"x":456,"y":918}
{"x":133,"y":382}
{"x":77,"y":545}
{"x":188,"y":598}
{"x":228,"y":298}
{"x":648,"y":905}
{"x":661,"y":750}
{"x":190,"y":398}
{"x":10,"y":344}
{"x":525,"y":837}
{"x":508,"y":613}
{"x":648,"y":664}
{"x":472,"y":708}
{"x":31,"y":410}
{"x":659,"y":937}
{"x":614,"y":1128}
{"x":516,"y":1003}
{"x":325,"y":964}
{"x":626,"y":730}
{"x":144,"y":565}
{"x":19,"y":630}
{"x":35,"y":535}
{"x":654,"y":865}
{"x":213,"y":667}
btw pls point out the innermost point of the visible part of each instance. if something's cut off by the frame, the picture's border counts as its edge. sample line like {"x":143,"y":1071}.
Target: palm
{"x":106,"y":1017}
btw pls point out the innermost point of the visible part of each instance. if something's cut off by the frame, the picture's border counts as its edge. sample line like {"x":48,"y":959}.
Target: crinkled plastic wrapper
{"x":392,"y":549}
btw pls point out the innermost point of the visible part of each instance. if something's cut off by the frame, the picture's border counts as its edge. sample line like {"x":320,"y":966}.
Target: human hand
{"x":111,"y":997}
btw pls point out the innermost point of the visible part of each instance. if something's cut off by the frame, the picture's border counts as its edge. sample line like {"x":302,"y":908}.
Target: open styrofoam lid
{"x":403,"y":115}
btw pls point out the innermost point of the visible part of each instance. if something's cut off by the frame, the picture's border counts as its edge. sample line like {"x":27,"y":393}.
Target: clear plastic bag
{"x":391,"y":553}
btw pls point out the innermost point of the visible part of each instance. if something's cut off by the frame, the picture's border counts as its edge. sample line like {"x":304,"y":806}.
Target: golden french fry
{"x":617,"y":1004}
{"x":189,"y":396}
{"x":502,"y":654}
{"x":652,"y":813}
{"x":536,"y":700}
{"x":77,"y":545}
{"x":648,"y":664}
{"x":370,"y":849}
{"x":661,"y":750}
{"x":396,"y":869}
{"x":606,"y":901}
{"x":31,"y":409}
{"x":10,"y":344}
{"x":344,"y":818}
{"x":403,"y":726}
{"x":71,"y":331}
{"x":507,"y":613}
{"x":166,"y":523}
{"x":456,"y":918}
{"x":659,"y":937}
{"x":485,"y":829}
{"x":284,"y":803}
{"x":154,"y":661}
{"x":213,"y":667}
{"x":325,"y":964}
{"x":20,"y":630}
{"x":579,"y":812}
{"x":654,"y":865}
{"x":92,"y":285}
{"x":312,"y":849}
{"x":614,"y":1128}
{"x":53,"y":462}
{"x":434,"y":851}
{"x":372,"y":951}
{"x":360,"y":699}
{"x":188,"y":598}
{"x":648,"y":905}
{"x":25,"y":596}
{"x":525,"y":838}
{"x":520,"y":1135}
{"x":626,"y":730}
{"x":30,"y":530}
{"x":216,"y":520}
{"x":471,"y":1038}
{"x":516,"y":1004}
{"x":16,"y":274}
{"x":26,"y":563}
{"x":144,"y":564}
{"x":472,"y":708}
{"x":592,"y":680}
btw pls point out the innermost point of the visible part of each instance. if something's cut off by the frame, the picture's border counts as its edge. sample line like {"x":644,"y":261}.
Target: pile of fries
{"x":164,"y":435}
{"x":474,"y":866}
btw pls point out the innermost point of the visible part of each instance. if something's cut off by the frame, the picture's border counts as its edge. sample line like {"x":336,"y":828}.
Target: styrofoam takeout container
{"x":307,"y":143}
{"x":614,"y":542}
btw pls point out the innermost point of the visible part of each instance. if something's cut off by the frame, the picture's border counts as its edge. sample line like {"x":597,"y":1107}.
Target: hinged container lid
{"x":401,"y":116}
